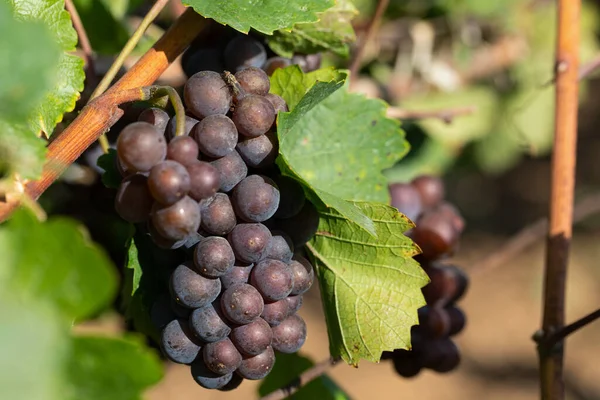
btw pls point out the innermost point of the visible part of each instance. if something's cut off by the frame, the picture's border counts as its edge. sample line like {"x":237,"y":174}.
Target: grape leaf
{"x":55,"y":262}
{"x":370,"y":287}
{"x":21,"y":151}
{"x":289,"y":366}
{"x":333,"y":32}
{"x":69,"y":75}
{"x":265,"y":17}
{"x":291,"y":84}
{"x":111,"y":368}
{"x":111,"y":178}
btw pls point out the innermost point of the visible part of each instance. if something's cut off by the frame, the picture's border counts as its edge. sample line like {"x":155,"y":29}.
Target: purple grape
{"x":278,"y":103}
{"x":253,"y":115}
{"x":206,"y":378}
{"x":259,"y":152}
{"x":274,"y":313}
{"x":253,"y":80}
{"x":140,"y":146}
{"x":213,"y":257}
{"x":304,"y":275}
{"x":253,"y":338}
{"x":280,"y":247}
{"x":249,"y":241}
{"x":190,"y":122}
{"x":203,"y":59}
{"x":273,"y":279}
{"x":259,"y":366}
{"x":208,"y":323}
{"x":289,"y":335}
{"x":217,"y":215}
{"x":133,"y":201}
{"x":155,"y":116}
{"x":206,"y":93}
{"x":275,"y":63}
{"x":255,"y":199}
{"x":307,"y":62}
{"x":221,"y":357}
{"x":237,"y":274}
{"x":294,"y":303}
{"x":241,"y":303}
{"x":183,"y":149}
{"x":232,"y":170}
{"x":191,"y":289}
{"x":168,"y":182}
{"x":216,"y":135}
{"x":244,"y":51}
{"x":178,"y":343}
{"x":178,"y":220}
{"x":234,"y":383}
{"x":205,"y":180}
{"x":406,"y":199}
{"x":161,"y":241}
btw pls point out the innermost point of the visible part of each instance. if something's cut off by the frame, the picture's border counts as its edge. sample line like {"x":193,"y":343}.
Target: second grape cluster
{"x":437,"y":232}
{"x":214,"y":190}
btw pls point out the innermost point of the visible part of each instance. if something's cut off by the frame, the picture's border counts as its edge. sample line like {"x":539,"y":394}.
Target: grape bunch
{"x":219,"y":47}
{"x":437,"y":232}
{"x":215,"y":192}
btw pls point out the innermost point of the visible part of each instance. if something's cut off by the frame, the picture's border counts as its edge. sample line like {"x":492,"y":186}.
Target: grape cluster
{"x":220,"y":48}
{"x":216,"y":192}
{"x":437,"y":232}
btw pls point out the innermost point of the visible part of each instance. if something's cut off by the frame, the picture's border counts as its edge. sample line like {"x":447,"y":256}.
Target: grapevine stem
{"x":125,"y":52}
{"x":561,"y":201}
{"x":155,"y":92}
{"x":558,"y":336}
{"x":300,"y":381}
{"x":84,"y":42}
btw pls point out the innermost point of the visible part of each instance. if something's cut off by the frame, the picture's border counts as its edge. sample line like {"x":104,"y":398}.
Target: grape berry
{"x":233,"y":303}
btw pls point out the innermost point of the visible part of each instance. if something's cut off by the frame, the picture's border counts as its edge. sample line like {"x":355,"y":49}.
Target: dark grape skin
{"x":440,"y":355}
{"x":280,"y":247}
{"x":237,"y":274}
{"x":221,"y":357}
{"x":191,"y":289}
{"x":253,"y":115}
{"x":244,"y":51}
{"x":406,"y":363}
{"x":161,"y":241}
{"x":275,"y":63}
{"x":274,"y":313}
{"x":406,"y":199}
{"x":448,"y":284}
{"x":307,"y":62}
{"x":304,"y":275}
{"x":206,"y":378}
{"x":430,"y":189}
{"x":155,"y":116}
{"x":216,"y":135}
{"x":259,"y":152}
{"x":294,"y":303}
{"x":190,"y":123}
{"x":253,"y":338}
{"x":302,"y":226}
{"x":213,"y":257}
{"x":183,"y":149}
{"x":273,"y":279}
{"x":168,"y":182}
{"x":218,"y":217}
{"x":177,"y":221}
{"x":232,"y":170}
{"x":179,"y":310}
{"x":457,"y":320}
{"x":249,"y":242}
{"x":258,"y":366}
{"x":133,"y":201}
{"x":278,"y":102}
{"x":206,"y":93}
{"x":255,"y":198}
{"x":448,"y":211}
{"x":253,"y":80}
{"x":205,"y":180}
{"x":208,"y":323}
{"x":435,"y":235}
{"x":292,"y":197}
{"x":241,"y":303}
{"x":435,"y":321}
{"x":140,"y":146}
{"x":160,"y":312}
{"x":289,"y":335}
{"x":234,"y":383}
{"x":178,"y":343}
{"x":202,"y":59}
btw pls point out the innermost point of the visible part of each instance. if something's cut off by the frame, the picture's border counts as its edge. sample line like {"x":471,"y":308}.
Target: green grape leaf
{"x":337,"y":143}
{"x":103,"y":368}
{"x":147,"y":273}
{"x":266,"y":17}
{"x":111,"y":178}
{"x":371,"y":288}
{"x":291,"y":84}
{"x":68,"y":76}
{"x":288,"y":367}
{"x":21,"y":151}
{"x":34,"y":342}
{"x":55,"y":262}
{"x":332,"y":32}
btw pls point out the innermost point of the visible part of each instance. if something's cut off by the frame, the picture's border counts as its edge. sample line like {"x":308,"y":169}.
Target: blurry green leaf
{"x":333,"y":32}
{"x":55,"y":262}
{"x":288,"y":367}
{"x":111,"y":178}
{"x":34,"y":344}
{"x":68,"y":74}
{"x":21,"y":151}
{"x":104,"y":23}
{"x":292,"y":84}
{"x":103,"y":368}
{"x":371,"y":288}
{"x":266,"y":17}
